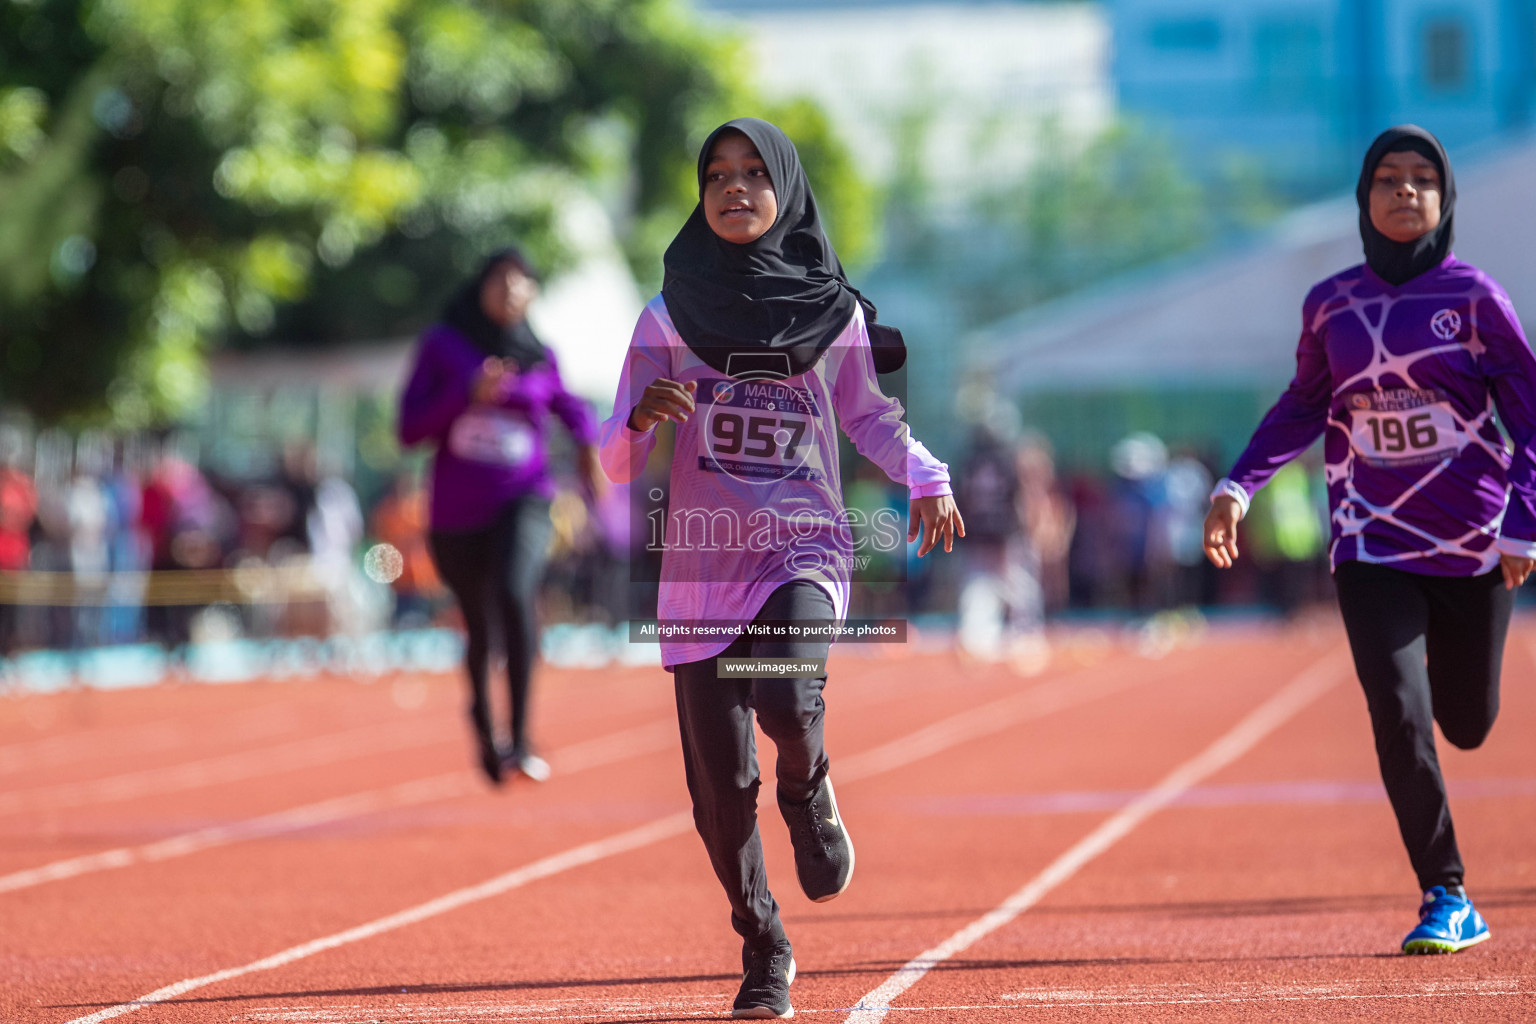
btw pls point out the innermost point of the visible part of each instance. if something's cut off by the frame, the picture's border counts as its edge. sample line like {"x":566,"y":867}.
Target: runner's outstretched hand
{"x":1516,"y":569}
{"x":933,"y":516}
{"x":1221,"y":531}
{"x":663,"y":400}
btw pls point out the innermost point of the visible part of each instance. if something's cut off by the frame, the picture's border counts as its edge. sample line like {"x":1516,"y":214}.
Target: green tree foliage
{"x":180,"y":172}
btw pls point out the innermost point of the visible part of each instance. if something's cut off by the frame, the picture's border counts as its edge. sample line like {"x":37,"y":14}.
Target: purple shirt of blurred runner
{"x":1403,"y":383}
{"x":487,"y":455}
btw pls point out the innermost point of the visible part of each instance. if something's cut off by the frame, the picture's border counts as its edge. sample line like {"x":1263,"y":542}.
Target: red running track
{"x":1195,"y":837}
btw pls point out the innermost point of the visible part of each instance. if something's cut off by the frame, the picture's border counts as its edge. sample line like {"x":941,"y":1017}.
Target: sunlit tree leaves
{"x":181,"y":173}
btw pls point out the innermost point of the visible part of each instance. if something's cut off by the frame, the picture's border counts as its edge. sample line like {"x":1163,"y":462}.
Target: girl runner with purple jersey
{"x":1402,"y":363}
{"x":756,"y":347}
{"x":481,"y":391}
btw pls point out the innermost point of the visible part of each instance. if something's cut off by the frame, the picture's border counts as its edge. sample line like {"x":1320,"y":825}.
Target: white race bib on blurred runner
{"x":497,"y":436}
{"x":1403,"y":426}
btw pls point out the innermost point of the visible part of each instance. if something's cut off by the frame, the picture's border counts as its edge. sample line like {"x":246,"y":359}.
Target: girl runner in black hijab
{"x":769,"y":308}
{"x":1398,"y":262}
{"x":1401,"y":364}
{"x":754,"y":290}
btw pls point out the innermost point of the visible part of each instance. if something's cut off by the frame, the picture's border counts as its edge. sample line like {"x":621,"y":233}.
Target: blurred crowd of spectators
{"x":295,"y":551}
{"x":290,"y":552}
{"x":100,"y":511}
{"x":1038,"y":545}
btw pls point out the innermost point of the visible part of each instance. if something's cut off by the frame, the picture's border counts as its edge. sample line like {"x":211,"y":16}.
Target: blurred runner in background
{"x":481,"y":393}
{"x":1000,"y":599}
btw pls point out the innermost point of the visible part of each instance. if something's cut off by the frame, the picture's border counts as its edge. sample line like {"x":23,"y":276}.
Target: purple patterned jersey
{"x":1404,"y":383}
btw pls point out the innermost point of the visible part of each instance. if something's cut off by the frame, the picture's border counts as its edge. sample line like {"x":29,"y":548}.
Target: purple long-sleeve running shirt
{"x":1404,"y":383}
{"x":756,"y":491}
{"x":487,"y":454}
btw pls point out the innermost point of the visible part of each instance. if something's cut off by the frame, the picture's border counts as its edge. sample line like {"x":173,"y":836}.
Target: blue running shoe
{"x":1447,"y":924}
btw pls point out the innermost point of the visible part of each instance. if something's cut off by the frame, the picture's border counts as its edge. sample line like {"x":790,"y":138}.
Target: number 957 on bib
{"x":760,"y":431}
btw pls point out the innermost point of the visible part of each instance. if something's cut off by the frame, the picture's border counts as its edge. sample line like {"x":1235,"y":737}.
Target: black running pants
{"x":720,"y":751}
{"x":1427,"y":649}
{"x":494,"y":573}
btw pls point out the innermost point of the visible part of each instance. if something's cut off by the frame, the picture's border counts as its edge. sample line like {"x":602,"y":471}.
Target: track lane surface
{"x":237,"y":886}
{"x":1276,"y":909}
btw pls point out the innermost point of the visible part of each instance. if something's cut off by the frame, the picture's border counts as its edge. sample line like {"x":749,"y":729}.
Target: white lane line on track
{"x":587,"y":853}
{"x":437,"y":787}
{"x":708,"y":1005}
{"x":292,"y":756}
{"x":935,"y":738}
{"x":402,"y":1012}
{"x":107,"y":743}
{"x":1258,"y":992}
{"x":618,"y":746}
{"x":234,"y":767}
{"x":568,"y":760}
{"x":1257,"y":724}
{"x":1041,"y":699}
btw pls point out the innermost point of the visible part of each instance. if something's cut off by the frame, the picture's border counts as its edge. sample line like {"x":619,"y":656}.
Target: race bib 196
{"x":758,"y":430}
{"x":497,"y":436}
{"x":1404,"y":426}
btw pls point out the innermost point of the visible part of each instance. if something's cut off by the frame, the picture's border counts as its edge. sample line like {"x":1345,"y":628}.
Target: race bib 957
{"x":758,"y":430}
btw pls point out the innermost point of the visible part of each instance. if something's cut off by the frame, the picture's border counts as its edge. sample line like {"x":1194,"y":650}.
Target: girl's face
{"x":507,"y":293}
{"x":738,"y":199}
{"x":1405,"y":196}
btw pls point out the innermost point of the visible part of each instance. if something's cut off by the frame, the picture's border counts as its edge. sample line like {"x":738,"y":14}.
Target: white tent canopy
{"x":1232,"y":320}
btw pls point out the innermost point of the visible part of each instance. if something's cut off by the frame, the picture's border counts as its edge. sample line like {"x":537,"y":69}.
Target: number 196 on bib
{"x":1416,"y":432}
{"x":1406,"y":435}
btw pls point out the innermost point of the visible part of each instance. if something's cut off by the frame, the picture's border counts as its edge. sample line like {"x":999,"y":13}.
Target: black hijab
{"x":465,"y":315}
{"x":1397,"y":262}
{"x":774,"y":304}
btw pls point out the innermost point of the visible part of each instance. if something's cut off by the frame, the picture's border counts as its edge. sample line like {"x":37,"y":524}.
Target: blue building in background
{"x":1301,"y":86}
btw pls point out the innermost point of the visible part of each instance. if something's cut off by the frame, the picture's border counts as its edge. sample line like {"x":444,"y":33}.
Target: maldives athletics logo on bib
{"x":1446,"y":324}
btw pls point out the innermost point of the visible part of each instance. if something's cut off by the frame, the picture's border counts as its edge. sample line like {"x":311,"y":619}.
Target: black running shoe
{"x":766,"y":975}
{"x":491,"y":762}
{"x":823,"y":851}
